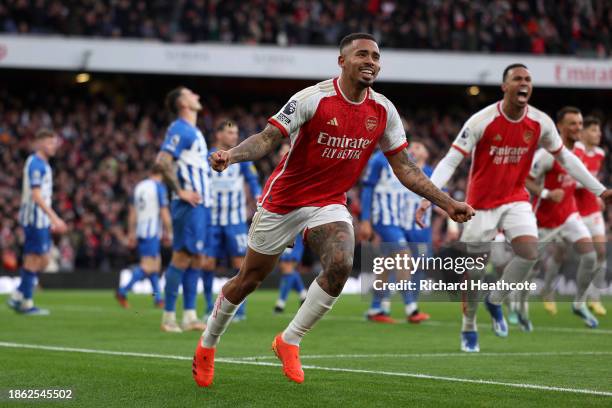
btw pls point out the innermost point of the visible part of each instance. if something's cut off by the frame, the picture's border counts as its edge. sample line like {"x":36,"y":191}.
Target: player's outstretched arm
{"x":165,"y":161}
{"x":574,"y":166}
{"x":252,"y":148}
{"x":411,"y":176}
{"x":132,"y":227}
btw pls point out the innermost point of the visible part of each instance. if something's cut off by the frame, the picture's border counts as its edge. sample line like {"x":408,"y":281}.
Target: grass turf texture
{"x":93,"y":320}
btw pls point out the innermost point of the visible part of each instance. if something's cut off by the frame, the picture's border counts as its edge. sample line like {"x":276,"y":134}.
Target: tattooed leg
{"x":334,"y":243}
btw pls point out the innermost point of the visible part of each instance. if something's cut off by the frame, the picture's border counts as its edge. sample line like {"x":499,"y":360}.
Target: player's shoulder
{"x":380,"y":99}
{"x":316,"y":91}
{"x":599,"y":151}
{"x":484,"y":116}
{"x":34,"y":161}
{"x":181,"y":127}
{"x":539,"y":116}
{"x":579,"y":146}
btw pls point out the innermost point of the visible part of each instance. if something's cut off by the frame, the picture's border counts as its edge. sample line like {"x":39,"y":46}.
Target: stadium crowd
{"x":527,"y":26}
{"x":108,"y":146}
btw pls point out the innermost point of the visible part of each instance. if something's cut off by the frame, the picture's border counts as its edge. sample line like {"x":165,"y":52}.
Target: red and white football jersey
{"x":332,"y":139}
{"x":547,"y":171}
{"x":502,"y":151}
{"x":587,"y":202}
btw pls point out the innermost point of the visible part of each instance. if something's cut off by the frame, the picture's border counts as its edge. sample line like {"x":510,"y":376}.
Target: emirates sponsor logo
{"x":343,"y":147}
{"x":507,"y":154}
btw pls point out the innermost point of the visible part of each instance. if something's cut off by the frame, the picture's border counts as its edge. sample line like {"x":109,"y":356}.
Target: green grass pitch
{"x":352,"y":362}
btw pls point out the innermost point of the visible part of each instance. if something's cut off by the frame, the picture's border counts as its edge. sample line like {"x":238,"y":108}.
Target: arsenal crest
{"x":371,"y":123}
{"x":527,"y":136}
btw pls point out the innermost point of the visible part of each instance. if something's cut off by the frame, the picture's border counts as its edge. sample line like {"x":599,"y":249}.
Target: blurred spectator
{"x":578,"y":27}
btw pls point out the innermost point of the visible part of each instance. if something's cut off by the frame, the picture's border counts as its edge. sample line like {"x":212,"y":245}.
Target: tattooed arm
{"x":253,"y":148}
{"x":165,"y":162}
{"x":411,"y":176}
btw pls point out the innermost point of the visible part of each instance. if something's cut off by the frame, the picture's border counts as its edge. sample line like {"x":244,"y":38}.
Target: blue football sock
{"x":190,"y":288}
{"x":137,"y":275}
{"x":22,"y":275}
{"x":154,"y":278}
{"x":298,"y":284}
{"x":174,"y":277}
{"x":28,"y":282}
{"x":207,"y":280}
{"x":285,"y":286}
{"x":411,"y":296}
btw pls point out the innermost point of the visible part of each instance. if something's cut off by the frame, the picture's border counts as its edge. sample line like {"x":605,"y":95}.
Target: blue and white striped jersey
{"x":150,"y":197}
{"x":385,"y":200}
{"x":36,"y":173}
{"x":188,"y":147}
{"x":228,"y":195}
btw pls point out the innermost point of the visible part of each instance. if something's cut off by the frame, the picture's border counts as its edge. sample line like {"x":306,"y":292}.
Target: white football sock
{"x":385,"y":305}
{"x":280,"y":303}
{"x":584,"y":277}
{"x":550,"y":274}
{"x":168,"y":317}
{"x":517,"y":270}
{"x":218,"y":321}
{"x":317,"y":303}
{"x":599,"y":282}
{"x":17,"y":296}
{"x":410,"y":308}
{"x":189,"y":315}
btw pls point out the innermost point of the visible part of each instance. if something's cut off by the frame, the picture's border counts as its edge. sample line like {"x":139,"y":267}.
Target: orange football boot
{"x":418,"y":317}
{"x":203,"y":367}
{"x":289,"y":355}
{"x":122,"y":300}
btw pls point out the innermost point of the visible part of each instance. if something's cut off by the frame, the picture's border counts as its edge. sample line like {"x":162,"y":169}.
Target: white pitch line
{"x":313,"y":367}
{"x":429,"y":355}
{"x":482,"y":325}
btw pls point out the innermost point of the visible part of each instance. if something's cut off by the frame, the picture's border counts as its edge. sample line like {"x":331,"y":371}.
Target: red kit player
{"x":334,"y":126}
{"x":590,"y":206}
{"x":502,"y":139}
{"x":557,"y":213}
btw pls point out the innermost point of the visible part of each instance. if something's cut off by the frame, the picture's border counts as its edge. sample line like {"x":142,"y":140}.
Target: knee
{"x":589,"y":259}
{"x":181,"y":260}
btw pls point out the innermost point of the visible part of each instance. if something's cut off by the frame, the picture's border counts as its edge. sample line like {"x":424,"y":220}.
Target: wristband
{"x":545,"y":193}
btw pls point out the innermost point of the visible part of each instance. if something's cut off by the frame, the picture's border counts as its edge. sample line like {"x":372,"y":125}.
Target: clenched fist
{"x":219,"y":160}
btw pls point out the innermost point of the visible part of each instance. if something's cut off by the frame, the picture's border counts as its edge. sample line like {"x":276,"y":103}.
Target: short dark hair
{"x":157,"y":169}
{"x":590,"y":121}
{"x":347,"y":40}
{"x":512,"y":66}
{"x":44,"y":133}
{"x":172,"y":98}
{"x":565,"y":110}
{"x":225,"y":124}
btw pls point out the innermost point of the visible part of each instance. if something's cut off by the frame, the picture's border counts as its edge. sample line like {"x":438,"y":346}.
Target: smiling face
{"x":570,"y":126}
{"x":360,"y":62}
{"x":517,"y":87}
